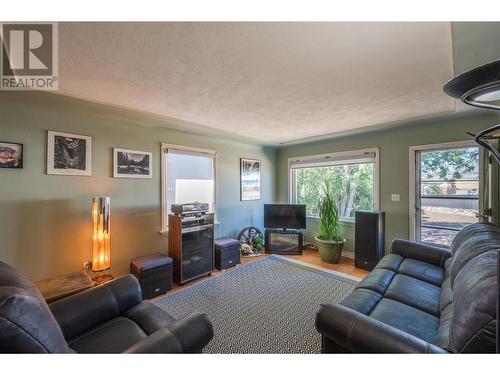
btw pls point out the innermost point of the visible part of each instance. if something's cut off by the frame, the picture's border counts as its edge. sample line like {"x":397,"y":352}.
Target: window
{"x":446,"y":191}
{"x":354,"y":176}
{"x":188,"y":175}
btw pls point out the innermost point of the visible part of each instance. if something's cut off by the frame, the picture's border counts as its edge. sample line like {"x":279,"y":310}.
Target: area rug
{"x":267,"y":306}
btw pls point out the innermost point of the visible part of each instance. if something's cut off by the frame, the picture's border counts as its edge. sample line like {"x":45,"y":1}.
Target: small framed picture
{"x":11,"y":155}
{"x":249,"y":179}
{"x":132,"y":163}
{"x":69,"y":154}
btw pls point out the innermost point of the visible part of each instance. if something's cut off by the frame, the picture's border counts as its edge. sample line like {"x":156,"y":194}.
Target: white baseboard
{"x":348,"y":254}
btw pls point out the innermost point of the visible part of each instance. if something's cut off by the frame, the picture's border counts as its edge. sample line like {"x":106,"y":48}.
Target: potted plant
{"x":329,"y":236}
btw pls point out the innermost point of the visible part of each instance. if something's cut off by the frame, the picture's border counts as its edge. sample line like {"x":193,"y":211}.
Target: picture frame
{"x":69,"y":154}
{"x":11,"y":155}
{"x":132,"y":163}
{"x":250,"y":183}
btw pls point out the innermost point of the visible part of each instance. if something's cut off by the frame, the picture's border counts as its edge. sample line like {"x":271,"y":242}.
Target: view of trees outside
{"x":353,"y":185}
{"x":449,"y":190}
{"x":449,"y":193}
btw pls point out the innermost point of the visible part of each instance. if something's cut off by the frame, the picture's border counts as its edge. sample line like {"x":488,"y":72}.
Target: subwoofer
{"x":369,"y":239}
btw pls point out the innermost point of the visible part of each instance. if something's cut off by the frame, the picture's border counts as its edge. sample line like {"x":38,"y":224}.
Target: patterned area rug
{"x":267,"y":306}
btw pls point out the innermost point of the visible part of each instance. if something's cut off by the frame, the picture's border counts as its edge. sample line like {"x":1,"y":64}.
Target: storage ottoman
{"x":154,"y":273}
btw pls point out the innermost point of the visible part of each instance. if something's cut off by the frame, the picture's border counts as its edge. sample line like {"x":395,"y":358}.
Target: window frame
{"x":336,"y":159}
{"x":412,"y":180}
{"x":164,"y":147}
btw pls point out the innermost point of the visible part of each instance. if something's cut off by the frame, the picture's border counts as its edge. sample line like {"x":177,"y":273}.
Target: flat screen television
{"x":291,"y":216}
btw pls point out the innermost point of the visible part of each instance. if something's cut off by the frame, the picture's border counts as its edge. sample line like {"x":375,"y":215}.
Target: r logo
{"x":29,"y":59}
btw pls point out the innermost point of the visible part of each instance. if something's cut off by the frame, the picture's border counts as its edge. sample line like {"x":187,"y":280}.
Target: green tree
{"x":352,"y":185}
{"x":449,"y":165}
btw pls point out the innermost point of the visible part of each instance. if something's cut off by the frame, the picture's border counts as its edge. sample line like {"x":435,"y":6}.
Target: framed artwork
{"x":132,"y":163}
{"x":11,"y":155}
{"x":249,"y":179}
{"x":69,"y":154}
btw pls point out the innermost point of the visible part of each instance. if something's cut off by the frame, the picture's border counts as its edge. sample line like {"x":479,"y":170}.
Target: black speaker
{"x":154,"y":273}
{"x":369,"y":239}
{"x":227,"y":253}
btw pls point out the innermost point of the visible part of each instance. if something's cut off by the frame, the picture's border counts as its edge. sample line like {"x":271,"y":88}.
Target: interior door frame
{"x":412,"y":198}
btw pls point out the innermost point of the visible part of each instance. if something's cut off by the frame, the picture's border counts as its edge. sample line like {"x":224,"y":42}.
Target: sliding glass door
{"x":446,"y":192}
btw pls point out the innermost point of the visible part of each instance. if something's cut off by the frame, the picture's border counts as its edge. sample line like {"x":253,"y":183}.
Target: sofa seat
{"x":400,"y":299}
{"x":421,"y":299}
{"x":114,"y":336}
{"x":119,"y":334}
{"x":415,"y":268}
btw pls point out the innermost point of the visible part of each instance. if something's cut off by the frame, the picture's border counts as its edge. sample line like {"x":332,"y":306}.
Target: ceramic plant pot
{"x":330,"y":251}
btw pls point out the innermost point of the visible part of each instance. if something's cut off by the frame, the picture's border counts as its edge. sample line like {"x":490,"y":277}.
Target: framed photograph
{"x":11,"y":155}
{"x":132,"y":163}
{"x":249,"y":179}
{"x":69,"y":154}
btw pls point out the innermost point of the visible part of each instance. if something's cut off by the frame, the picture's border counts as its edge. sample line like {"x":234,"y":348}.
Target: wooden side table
{"x":59,"y":287}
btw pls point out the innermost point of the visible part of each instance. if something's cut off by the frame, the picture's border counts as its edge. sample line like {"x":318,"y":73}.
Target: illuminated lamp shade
{"x":101,"y":250}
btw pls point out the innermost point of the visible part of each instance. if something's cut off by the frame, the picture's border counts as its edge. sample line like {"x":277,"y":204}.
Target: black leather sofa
{"x":421,"y":299}
{"x":111,"y":318}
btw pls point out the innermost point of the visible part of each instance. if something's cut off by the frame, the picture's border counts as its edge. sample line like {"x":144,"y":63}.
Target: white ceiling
{"x":275,"y":82}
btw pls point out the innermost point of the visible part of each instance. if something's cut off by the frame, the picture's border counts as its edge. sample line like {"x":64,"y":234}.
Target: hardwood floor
{"x":346,"y":266}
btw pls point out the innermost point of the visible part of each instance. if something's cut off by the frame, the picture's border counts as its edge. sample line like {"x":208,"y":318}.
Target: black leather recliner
{"x":111,"y":318}
{"x":421,"y":299}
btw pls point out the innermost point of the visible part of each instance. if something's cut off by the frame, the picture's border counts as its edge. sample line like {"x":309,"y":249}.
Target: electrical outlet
{"x":395,"y":197}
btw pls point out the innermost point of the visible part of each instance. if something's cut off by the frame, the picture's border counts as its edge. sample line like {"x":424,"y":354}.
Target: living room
{"x":249,"y":187}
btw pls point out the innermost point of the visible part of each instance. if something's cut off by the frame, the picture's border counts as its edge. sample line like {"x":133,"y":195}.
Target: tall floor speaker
{"x":369,"y":239}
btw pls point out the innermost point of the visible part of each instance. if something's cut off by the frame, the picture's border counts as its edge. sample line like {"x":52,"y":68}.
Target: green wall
{"x":46,"y":219}
{"x":393,"y":143}
{"x":474,"y":44}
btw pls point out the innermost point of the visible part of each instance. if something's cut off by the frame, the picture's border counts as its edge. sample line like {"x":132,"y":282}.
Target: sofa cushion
{"x":80,"y":312}
{"x":390,"y":262}
{"x":447,"y":267}
{"x":149,"y":317}
{"x":26,"y":323}
{"x":443,"y":332}
{"x":421,"y":270}
{"x":113,"y":336}
{"x":378,"y":280}
{"x":469,"y":232}
{"x":475,"y":293}
{"x":414,"y":292}
{"x":470,"y":249}
{"x":362,"y":300}
{"x":406,"y":318}
{"x":446,"y":295}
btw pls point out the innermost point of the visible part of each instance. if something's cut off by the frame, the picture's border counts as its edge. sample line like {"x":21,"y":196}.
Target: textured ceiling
{"x":276,"y":82}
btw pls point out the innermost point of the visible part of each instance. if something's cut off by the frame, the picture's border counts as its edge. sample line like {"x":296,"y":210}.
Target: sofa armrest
{"x":160,"y":342}
{"x":82,"y":311}
{"x":358,"y":333}
{"x":426,"y":253}
{"x":187,"y":335}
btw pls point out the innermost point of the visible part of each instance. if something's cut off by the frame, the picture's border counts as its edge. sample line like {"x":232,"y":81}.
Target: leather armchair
{"x":117,"y":307}
{"x":111,"y":318}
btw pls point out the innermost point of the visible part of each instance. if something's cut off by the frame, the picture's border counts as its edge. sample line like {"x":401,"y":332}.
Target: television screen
{"x":291,"y":216}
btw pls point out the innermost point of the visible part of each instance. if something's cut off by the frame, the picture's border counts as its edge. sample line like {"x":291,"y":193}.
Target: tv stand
{"x":284,"y":241}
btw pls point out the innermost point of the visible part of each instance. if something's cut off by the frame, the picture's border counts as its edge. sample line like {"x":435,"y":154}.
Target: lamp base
{"x":101,"y":277}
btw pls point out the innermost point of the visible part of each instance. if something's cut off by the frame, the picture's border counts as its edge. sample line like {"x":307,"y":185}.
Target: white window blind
{"x":189,"y":176}
{"x":326,"y":160}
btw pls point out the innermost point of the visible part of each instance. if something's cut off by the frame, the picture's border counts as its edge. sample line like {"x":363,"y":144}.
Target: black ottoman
{"x":227,"y":253}
{"x":154,"y":273}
